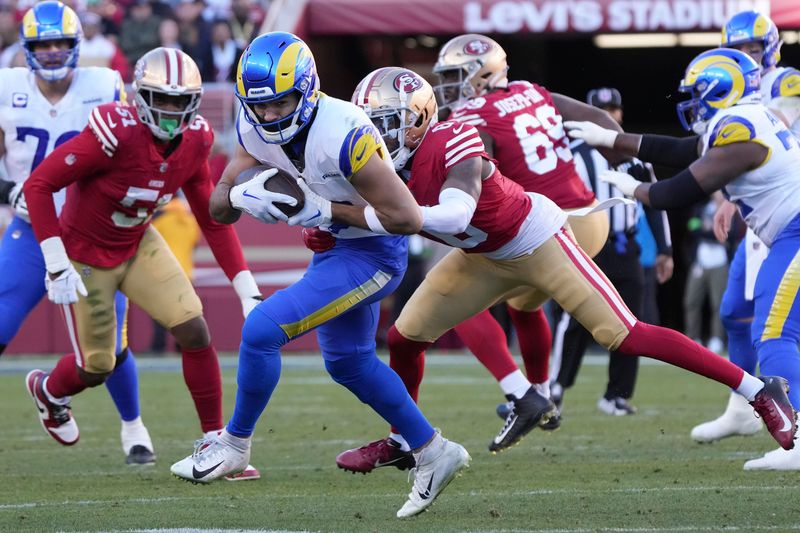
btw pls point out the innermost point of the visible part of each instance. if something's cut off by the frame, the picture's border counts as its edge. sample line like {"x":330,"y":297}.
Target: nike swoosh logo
{"x":202,"y":473}
{"x":427,"y":494}
{"x":250,"y":195}
{"x":380,"y":463}
{"x":787,"y":424}
{"x":359,"y":156}
{"x":315,"y":215}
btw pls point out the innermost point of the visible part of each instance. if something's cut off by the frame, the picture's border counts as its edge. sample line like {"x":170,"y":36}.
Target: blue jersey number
{"x":42,"y":139}
{"x":787,"y":138}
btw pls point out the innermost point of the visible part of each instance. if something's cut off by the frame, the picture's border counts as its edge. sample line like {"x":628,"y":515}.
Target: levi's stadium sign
{"x":398,"y":17}
{"x":596,"y":15}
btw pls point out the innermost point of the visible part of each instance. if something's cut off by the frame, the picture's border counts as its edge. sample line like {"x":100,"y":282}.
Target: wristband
{"x":373,"y":223}
{"x":55,"y":255}
{"x":245,"y":285}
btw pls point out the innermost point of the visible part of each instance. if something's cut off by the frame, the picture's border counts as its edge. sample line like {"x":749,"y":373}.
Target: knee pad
{"x":734,"y":308}
{"x":260,"y":331}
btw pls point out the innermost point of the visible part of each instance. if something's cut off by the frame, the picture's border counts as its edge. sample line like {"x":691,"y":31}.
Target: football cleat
{"x":525,"y":414}
{"x":438,"y":464}
{"x":773,"y":406}
{"x":383,"y":452}
{"x":779,"y":459}
{"x":615,"y":406}
{"x":738,"y":419}
{"x":136,"y":443}
{"x":211,"y":460}
{"x":56,"y":419}
{"x":250,"y":473}
{"x":551,"y":424}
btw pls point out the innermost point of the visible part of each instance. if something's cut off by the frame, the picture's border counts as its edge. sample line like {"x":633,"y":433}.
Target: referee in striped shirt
{"x":619,"y":260}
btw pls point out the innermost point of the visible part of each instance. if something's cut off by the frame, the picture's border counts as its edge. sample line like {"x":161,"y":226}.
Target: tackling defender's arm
{"x":220,"y":206}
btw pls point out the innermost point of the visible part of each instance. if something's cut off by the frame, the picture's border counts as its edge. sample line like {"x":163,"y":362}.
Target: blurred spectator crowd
{"x":117,"y":33}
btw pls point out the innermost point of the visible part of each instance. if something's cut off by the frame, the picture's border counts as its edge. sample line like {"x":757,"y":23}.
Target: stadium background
{"x":560,"y":44}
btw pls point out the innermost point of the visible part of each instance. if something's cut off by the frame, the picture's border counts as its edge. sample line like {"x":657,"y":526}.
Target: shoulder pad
{"x":359,"y":144}
{"x":458,"y":141}
{"x":732,"y":129}
{"x":111,"y":123}
{"x":787,"y":83}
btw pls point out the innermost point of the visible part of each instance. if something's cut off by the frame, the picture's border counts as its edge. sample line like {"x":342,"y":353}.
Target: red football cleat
{"x":56,"y":419}
{"x":773,"y":406}
{"x":384,"y":452}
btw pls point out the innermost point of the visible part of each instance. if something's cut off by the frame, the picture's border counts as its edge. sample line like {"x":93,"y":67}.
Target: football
{"x":283,"y":183}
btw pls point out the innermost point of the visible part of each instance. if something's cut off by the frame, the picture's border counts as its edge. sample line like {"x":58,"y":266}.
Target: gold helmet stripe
{"x":284,"y":73}
{"x":29,"y":27}
{"x":69,"y":21}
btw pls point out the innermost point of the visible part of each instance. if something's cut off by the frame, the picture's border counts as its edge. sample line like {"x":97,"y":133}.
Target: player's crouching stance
{"x":748,"y":153}
{"x":508,"y":239}
{"x":127,"y":162}
{"x":286,"y":122}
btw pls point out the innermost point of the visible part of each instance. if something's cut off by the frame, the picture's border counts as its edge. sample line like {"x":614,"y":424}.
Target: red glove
{"x":318,"y":240}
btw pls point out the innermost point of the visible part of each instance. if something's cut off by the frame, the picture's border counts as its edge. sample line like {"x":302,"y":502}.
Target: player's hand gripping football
{"x":590,"y":132}
{"x":252,"y":198}
{"x":16,"y":199}
{"x":621,"y":180}
{"x":318,"y":240}
{"x":316,"y":210}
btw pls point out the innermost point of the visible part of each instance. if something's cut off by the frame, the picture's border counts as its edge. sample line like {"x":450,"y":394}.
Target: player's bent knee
{"x":610,"y":338}
{"x":263,"y":333}
{"x":93,"y":379}
{"x":192,"y":334}
{"x":355,"y":375}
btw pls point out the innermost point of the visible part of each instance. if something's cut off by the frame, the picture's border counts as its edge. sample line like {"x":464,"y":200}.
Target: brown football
{"x":283,"y":183}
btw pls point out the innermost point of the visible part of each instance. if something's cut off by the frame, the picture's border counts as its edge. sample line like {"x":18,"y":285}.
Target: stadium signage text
{"x":603,"y":15}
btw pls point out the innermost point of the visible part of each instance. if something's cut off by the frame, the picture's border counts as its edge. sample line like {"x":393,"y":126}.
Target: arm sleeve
{"x":76,"y":159}
{"x":221,"y":238}
{"x":659,"y":225}
{"x":676,"y":152}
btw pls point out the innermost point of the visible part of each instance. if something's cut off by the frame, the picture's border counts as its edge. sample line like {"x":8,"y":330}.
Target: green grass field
{"x":631,"y":474}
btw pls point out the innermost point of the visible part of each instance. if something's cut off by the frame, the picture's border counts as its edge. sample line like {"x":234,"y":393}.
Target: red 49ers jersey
{"x":502,"y":205}
{"x":530,"y":144}
{"x":117,"y":177}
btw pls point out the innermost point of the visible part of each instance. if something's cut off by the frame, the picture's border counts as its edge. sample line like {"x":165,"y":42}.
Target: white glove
{"x":247,"y":289}
{"x":65,"y":288}
{"x":16,"y":199}
{"x":590,"y":132}
{"x":623,"y":181}
{"x":252,"y":198}
{"x":316,"y":210}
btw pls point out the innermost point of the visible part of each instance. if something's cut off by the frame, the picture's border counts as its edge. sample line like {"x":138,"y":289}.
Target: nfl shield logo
{"x":163,"y":167}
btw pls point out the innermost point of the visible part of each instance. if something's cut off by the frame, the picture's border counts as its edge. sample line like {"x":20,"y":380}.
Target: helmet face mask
{"x":468,"y":66}
{"x":46,"y":26}
{"x":168,"y":90}
{"x":275,"y":66}
{"x":401,"y":105}
{"x":715,"y":80}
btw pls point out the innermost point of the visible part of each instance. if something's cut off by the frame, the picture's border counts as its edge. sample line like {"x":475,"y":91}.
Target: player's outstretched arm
{"x":458,"y":197}
{"x":220,"y":206}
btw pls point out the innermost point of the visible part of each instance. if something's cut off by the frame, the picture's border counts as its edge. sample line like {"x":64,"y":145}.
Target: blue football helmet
{"x":716,"y":79}
{"x":275,"y":65}
{"x":51,"y":21}
{"x":752,"y":26}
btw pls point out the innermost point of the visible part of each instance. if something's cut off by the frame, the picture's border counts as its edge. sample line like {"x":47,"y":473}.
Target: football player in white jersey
{"x":756,"y":35}
{"x":40,"y":108}
{"x":749,"y":154}
{"x":286,"y":122}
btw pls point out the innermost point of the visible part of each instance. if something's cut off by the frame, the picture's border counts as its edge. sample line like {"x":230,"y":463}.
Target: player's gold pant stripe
{"x":338,"y":306}
{"x":784,"y":298}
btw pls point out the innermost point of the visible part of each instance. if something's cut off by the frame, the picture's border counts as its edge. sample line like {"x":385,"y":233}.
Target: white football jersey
{"x":33,"y":127}
{"x":780,"y":91}
{"x":341,"y":139}
{"x":768,"y":196}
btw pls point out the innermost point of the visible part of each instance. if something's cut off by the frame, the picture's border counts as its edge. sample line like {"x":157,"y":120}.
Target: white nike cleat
{"x":136,"y":443}
{"x":779,"y":459}
{"x":438,"y":464}
{"x":738,"y":419}
{"x":212,"y":459}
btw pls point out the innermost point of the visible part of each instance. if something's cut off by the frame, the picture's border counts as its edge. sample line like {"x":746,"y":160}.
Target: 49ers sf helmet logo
{"x":407,"y":82}
{"x":477,"y":47}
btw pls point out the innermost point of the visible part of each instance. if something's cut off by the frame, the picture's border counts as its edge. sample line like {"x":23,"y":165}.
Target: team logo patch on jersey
{"x":477,"y":47}
{"x":70,"y":159}
{"x":407,"y":82}
{"x":19,"y":100}
{"x":163,"y":167}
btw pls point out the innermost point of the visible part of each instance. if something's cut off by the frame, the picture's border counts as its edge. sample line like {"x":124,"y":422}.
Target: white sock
{"x":749,"y":387}
{"x":431,"y":450}
{"x":515,"y":384}
{"x":542,"y":388}
{"x":136,"y":423}
{"x":398,"y":438}
{"x":239,"y":443}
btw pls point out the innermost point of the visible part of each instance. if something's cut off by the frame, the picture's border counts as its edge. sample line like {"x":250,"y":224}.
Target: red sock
{"x":676,"y":349}
{"x":486,"y":340}
{"x":535,"y":342}
{"x":407,"y":358}
{"x":202,"y":376}
{"x":64,"y":379}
